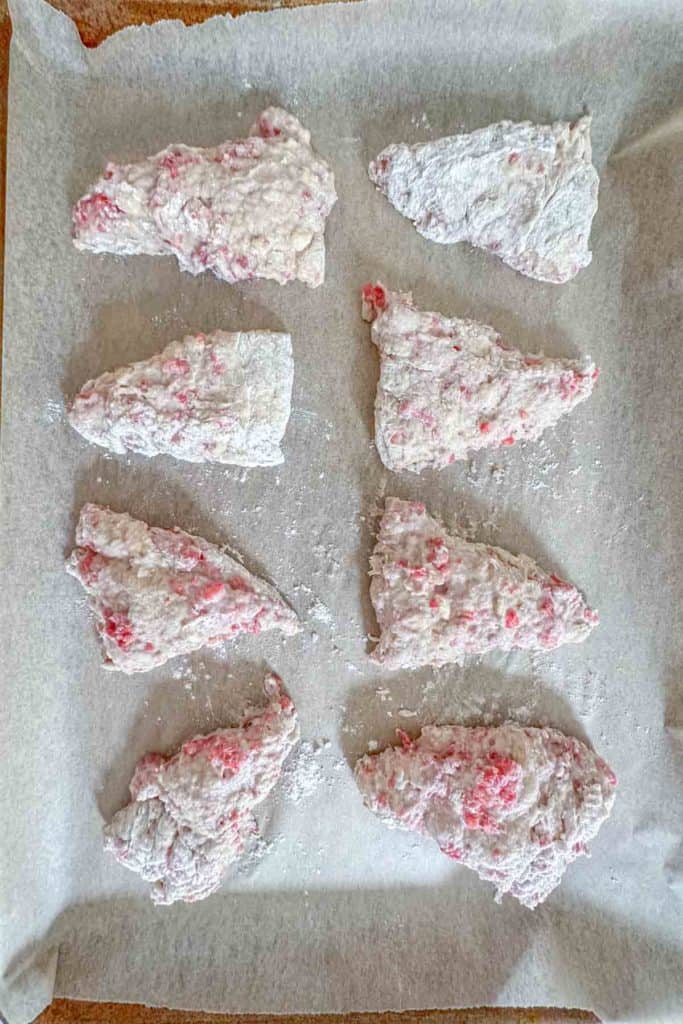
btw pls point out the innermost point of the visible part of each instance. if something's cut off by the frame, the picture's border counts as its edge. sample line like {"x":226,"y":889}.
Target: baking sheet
{"x":332,"y":912}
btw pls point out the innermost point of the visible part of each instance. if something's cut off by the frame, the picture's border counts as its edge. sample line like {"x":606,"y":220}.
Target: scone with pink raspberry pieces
{"x":449,"y":387}
{"x":526,"y":193}
{"x":248,"y":208}
{"x":222,"y":397}
{"x":192,"y":815}
{"x":515,"y":804}
{"x":439,"y":598}
{"x":156,"y":594}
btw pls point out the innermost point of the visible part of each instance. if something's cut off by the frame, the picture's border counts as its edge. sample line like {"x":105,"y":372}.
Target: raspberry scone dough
{"x":438,"y":598}
{"x":248,"y":208}
{"x":449,"y":387}
{"x":209,"y":398}
{"x":158,"y":593}
{"x":515,"y":804}
{"x":192,"y":814}
{"x":524,"y":192}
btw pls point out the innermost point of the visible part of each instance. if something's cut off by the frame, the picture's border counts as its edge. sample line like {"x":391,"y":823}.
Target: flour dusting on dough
{"x":220,"y":397}
{"x":523,"y":192}
{"x":515,"y":804}
{"x":449,"y":387}
{"x":156,"y":594}
{"x":439,"y":598}
{"x":192,"y":815}
{"x":249,"y":208}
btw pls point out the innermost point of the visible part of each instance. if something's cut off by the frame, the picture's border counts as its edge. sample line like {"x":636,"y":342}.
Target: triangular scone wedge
{"x":449,"y":387}
{"x":223,"y":397}
{"x":192,"y":814}
{"x":515,"y":804}
{"x":248,"y":208}
{"x":526,"y":193}
{"x":158,"y":593}
{"x":438,"y":597}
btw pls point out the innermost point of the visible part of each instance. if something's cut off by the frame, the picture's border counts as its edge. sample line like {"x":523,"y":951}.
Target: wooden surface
{"x":67,"y":1011}
{"x":96,"y":19}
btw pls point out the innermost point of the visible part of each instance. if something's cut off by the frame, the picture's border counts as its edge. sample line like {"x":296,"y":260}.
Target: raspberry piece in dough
{"x":438,"y":597}
{"x":192,"y":814}
{"x":158,"y":593}
{"x":249,"y":208}
{"x":209,"y":398}
{"x":526,"y":193}
{"x":515,"y":804}
{"x":449,"y":387}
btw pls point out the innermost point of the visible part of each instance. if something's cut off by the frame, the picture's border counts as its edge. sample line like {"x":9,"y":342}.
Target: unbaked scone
{"x":516,"y":804}
{"x":449,"y":387}
{"x":191,"y":815}
{"x":156,"y":594}
{"x":249,"y":208}
{"x":526,"y":193}
{"x":222,"y":397}
{"x":439,"y":598}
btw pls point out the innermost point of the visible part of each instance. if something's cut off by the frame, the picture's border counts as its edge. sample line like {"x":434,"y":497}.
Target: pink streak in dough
{"x":523,"y":192}
{"x":156,"y":594}
{"x":515,"y":804}
{"x":449,"y":387}
{"x":192,"y":814}
{"x":439,"y":598}
{"x":223,"y":397}
{"x":249,"y":208}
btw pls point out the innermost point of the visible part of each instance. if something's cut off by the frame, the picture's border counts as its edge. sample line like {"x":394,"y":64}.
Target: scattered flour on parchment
{"x":302,"y":776}
{"x":303,"y":772}
{"x":53,"y":412}
{"x":421,"y":121}
{"x":259,"y":847}
{"x":321,"y":613}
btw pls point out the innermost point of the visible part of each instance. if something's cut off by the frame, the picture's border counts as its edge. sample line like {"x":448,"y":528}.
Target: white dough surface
{"x":440,"y":598}
{"x":449,"y":387}
{"x":248,"y":208}
{"x":192,"y":815}
{"x":155,"y":594}
{"x":516,"y":805}
{"x":223,"y":397}
{"x":525,"y":193}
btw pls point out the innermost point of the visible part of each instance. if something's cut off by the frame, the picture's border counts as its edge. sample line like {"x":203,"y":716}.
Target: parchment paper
{"x":334,"y":912}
